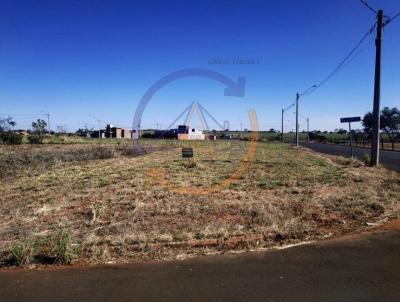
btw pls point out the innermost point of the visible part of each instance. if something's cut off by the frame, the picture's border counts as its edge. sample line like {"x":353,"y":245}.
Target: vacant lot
{"x":101,"y":203}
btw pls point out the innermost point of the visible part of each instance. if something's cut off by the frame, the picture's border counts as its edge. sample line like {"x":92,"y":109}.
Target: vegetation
{"x":22,"y":253}
{"x":6,"y":124}
{"x":10,"y":138}
{"x":39,"y":127}
{"x":390,"y":122}
{"x":62,"y":248}
{"x":115,"y":206}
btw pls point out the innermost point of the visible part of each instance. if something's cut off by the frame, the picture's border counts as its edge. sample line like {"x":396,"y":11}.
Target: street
{"x":388,"y":159}
{"x":362,"y":267}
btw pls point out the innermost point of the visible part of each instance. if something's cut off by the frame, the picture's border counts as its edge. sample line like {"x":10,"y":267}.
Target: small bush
{"x":62,"y":248}
{"x":35,"y":139}
{"x":22,"y":253}
{"x":10,"y":138}
{"x":366,"y":159}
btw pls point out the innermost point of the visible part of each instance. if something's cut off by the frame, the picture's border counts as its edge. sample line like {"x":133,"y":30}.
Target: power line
{"x":343,"y":62}
{"x":368,"y":6}
{"x":391,"y":19}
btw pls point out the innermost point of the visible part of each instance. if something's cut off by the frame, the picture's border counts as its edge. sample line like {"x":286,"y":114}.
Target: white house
{"x":192,"y":134}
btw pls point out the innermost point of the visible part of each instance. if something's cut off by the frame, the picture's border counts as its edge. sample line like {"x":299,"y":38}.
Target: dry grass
{"x":121,"y":208}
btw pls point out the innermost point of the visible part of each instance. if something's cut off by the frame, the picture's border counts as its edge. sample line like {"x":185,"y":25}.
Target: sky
{"x":83,"y":61}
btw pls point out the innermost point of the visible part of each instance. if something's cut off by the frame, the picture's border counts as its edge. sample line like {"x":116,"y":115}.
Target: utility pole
{"x":283,"y":112}
{"x":48,"y":122}
{"x":308,"y":130}
{"x":98,"y":123}
{"x":377,"y":93}
{"x":297,"y":119}
{"x":283,"y":138}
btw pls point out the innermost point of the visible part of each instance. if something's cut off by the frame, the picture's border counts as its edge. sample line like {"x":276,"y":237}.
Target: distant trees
{"x":6,"y":135}
{"x":341,"y":131}
{"x":6,"y":124}
{"x":39,"y":126}
{"x":85,"y":131}
{"x":390,"y":122}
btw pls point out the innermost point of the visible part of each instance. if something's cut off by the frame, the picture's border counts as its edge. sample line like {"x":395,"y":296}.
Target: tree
{"x":390,"y":121}
{"x":61,"y":130}
{"x":85,"y":131}
{"x":341,"y":131}
{"x":39,"y":126}
{"x":6,"y":124}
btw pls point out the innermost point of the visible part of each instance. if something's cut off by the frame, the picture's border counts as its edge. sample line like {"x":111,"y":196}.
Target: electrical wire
{"x":343,"y":62}
{"x":391,"y":19}
{"x":368,"y":6}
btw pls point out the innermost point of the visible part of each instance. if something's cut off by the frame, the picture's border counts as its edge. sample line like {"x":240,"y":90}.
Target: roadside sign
{"x":350,"y":119}
{"x":187,"y":152}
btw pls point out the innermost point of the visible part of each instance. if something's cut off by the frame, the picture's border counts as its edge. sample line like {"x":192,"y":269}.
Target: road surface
{"x":388,"y":159}
{"x":356,"y":268}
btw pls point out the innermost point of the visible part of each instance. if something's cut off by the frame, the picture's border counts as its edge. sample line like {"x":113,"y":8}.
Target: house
{"x":117,"y":132}
{"x":189,"y":133}
{"x":113,"y":132}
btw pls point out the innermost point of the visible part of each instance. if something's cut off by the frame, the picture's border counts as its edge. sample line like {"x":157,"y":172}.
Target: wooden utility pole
{"x":308,"y":129}
{"x":297,"y":119}
{"x":377,"y":93}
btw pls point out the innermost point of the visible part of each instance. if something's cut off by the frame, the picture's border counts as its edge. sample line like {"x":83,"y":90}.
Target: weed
{"x":62,"y":248}
{"x":22,"y":253}
{"x":366,"y":159}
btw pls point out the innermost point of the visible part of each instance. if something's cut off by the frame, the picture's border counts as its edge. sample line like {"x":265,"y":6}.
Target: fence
{"x":364,"y":143}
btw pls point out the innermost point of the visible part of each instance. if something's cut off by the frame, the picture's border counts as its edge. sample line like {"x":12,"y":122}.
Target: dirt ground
{"x":115,"y":207}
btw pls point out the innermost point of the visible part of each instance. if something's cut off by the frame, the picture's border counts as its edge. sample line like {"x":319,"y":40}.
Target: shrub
{"x":22,"y":253}
{"x":35,"y":139}
{"x":62,"y":249}
{"x":366,"y":159}
{"x":10,"y":138}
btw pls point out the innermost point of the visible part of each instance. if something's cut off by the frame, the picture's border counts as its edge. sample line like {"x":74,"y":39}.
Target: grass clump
{"x":62,"y":247}
{"x":366,"y":159}
{"x":22,"y":253}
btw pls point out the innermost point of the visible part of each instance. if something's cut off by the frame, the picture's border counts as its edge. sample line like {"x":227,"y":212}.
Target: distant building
{"x":116,"y":132}
{"x":186,"y":133}
{"x":183,"y":132}
{"x":113,"y":132}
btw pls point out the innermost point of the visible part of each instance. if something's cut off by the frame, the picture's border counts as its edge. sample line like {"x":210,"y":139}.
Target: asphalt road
{"x":388,"y":159}
{"x":357,"y":268}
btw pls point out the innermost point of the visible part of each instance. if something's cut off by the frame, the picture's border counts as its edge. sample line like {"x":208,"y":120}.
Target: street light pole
{"x":283,"y":112}
{"x":297,"y":111}
{"x":283,"y":138}
{"x":297,"y":119}
{"x":48,"y":121}
{"x":98,"y":122}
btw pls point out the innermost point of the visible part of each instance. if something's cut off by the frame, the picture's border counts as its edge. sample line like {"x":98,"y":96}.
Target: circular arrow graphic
{"x":236,"y":89}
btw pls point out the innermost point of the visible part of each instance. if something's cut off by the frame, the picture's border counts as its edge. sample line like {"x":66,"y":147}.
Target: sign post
{"x":187,"y":153}
{"x":350,"y":120}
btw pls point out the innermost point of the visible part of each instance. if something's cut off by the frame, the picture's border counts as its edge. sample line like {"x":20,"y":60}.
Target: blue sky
{"x":76,"y":58}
